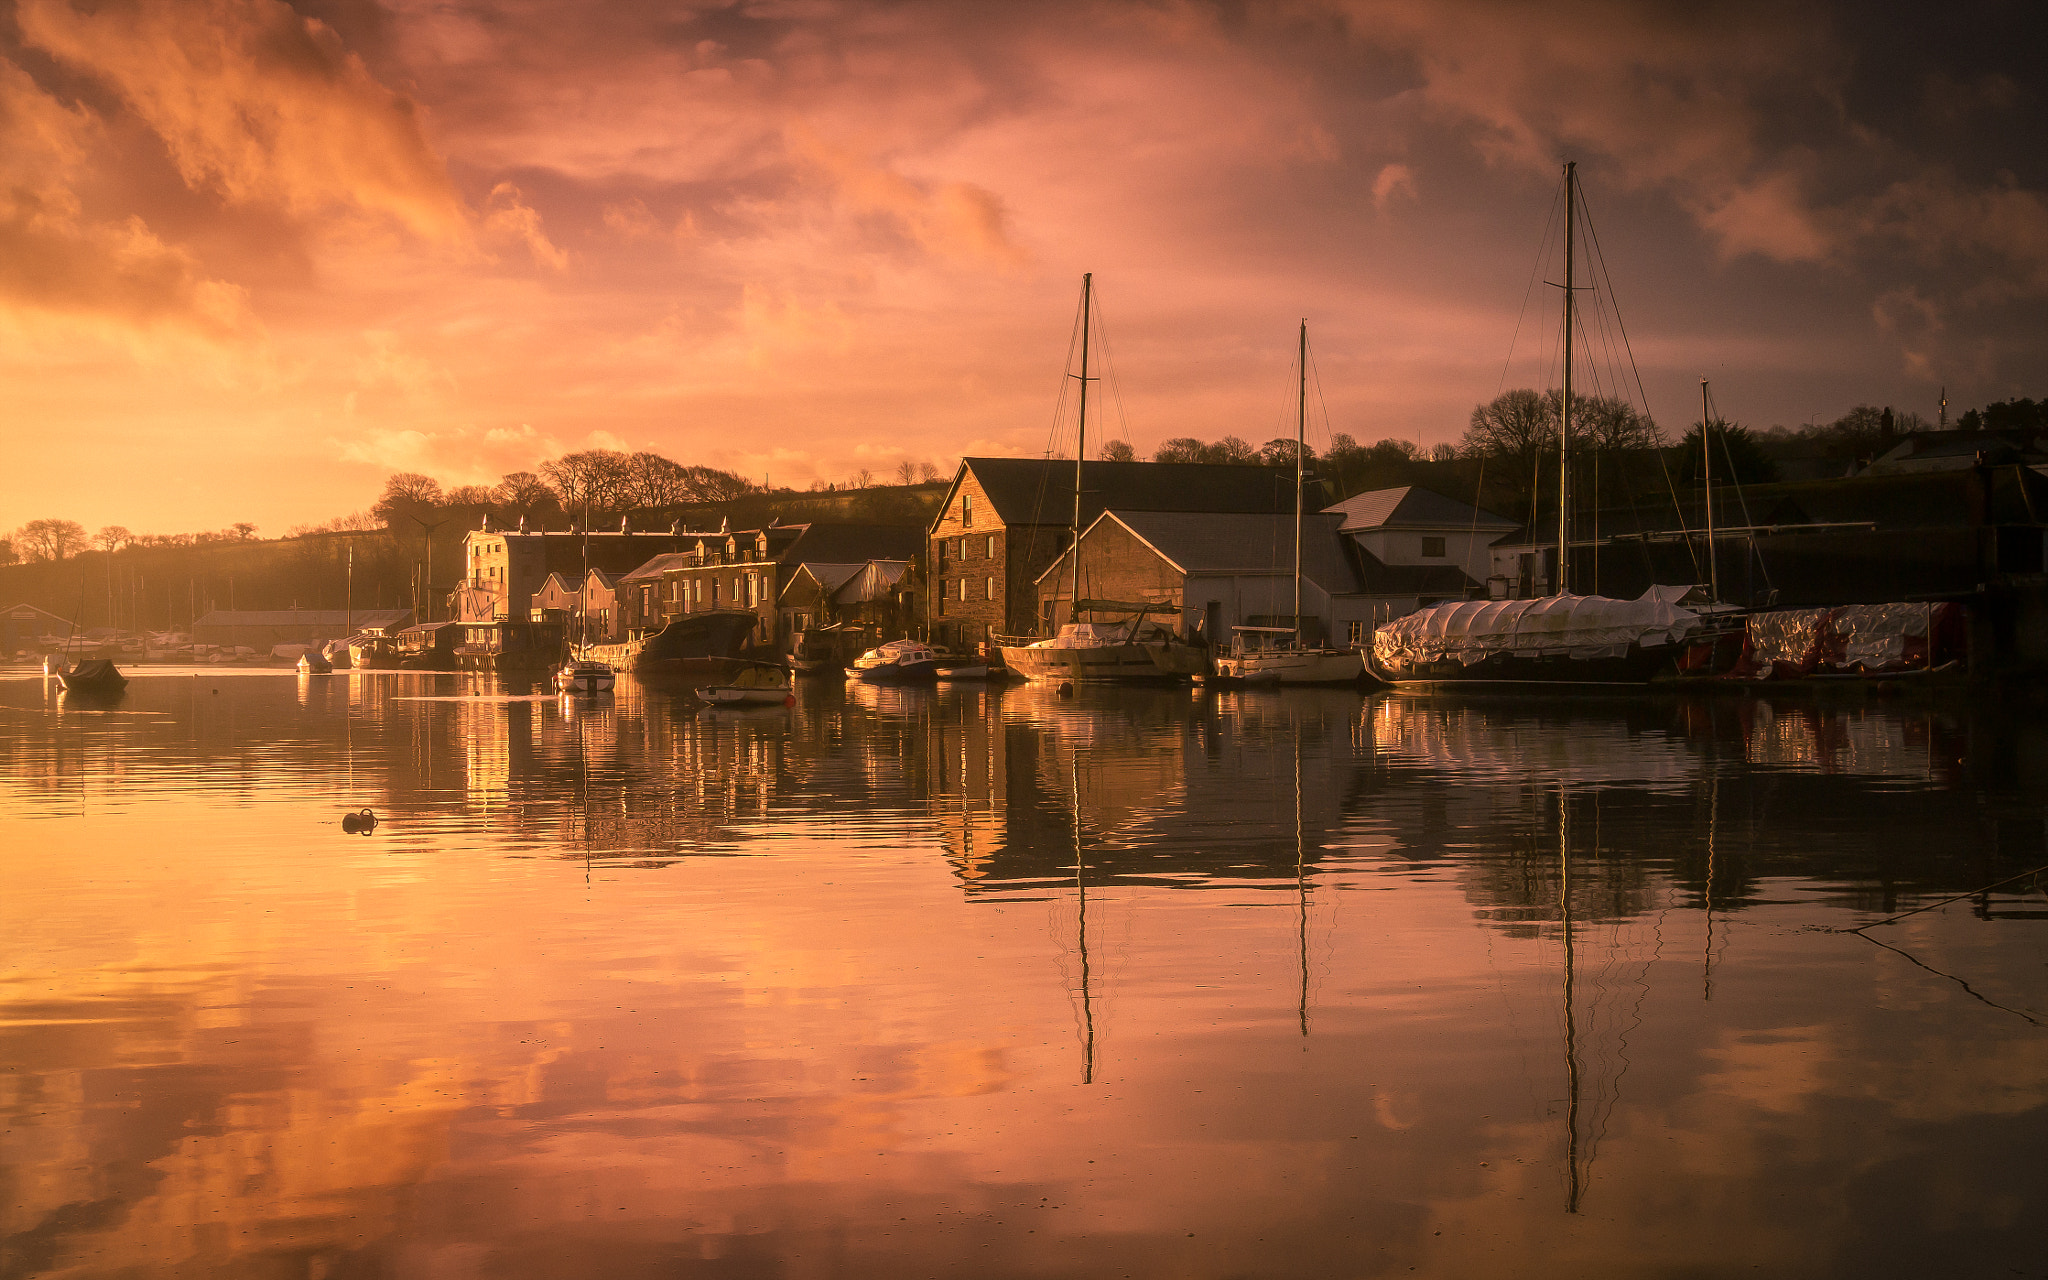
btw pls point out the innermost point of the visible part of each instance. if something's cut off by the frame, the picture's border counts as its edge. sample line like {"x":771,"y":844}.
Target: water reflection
{"x":975,"y":980}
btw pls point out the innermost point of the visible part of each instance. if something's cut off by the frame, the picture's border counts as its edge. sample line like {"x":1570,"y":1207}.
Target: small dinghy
{"x":585,"y":676}
{"x":765,"y":684}
{"x":96,"y":675}
{"x":314,"y":663}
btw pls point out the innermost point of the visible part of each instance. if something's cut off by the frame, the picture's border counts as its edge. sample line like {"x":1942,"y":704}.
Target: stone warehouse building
{"x":1004,"y":520}
{"x":749,"y":569}
{"x":503,"y":569}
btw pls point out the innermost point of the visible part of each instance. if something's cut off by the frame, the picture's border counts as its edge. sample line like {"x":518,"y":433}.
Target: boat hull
{"x":1294,"y":666}
{"x":735,"y":696}
{"x":1110,"y":664}
{"x":1640,"y":668}
{"x":683,"y":647}
{"x":895,"y":673}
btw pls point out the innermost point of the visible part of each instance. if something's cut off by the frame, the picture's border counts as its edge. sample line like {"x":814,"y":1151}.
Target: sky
{"x":255,"y":256}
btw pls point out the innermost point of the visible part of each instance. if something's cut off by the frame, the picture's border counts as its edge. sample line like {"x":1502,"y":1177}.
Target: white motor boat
{"x":897,"y":662}
{"x":585,"y":676}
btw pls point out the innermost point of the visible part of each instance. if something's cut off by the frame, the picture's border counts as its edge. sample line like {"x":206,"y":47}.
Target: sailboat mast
{"x":1564,"y":432}
{"x":1707,"y":479}
{"x":1080,"y":447}
{"x":1300,"y":435}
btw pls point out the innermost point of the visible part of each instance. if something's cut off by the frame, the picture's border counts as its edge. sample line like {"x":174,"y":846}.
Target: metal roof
{"x":1041,"y":490}
{"x":1413,"y":507}
{"x":1200,"y":542}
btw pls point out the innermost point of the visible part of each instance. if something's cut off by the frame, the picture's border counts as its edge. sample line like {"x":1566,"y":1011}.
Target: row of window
{"x":691,"y":590}
{"x":963,"y":590}
{"x":959,"y":548}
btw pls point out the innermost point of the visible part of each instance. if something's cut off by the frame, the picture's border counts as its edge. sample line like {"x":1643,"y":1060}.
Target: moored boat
{"x":585,"y":676}
{"x":758,"y":684}
{"x":314,"y":663}
{"x":1138,"y":652}
{"x":1552,"y":640}
{"x":1274,"y":655}
{"x":94,"y":675}
{"x":896,"y":662}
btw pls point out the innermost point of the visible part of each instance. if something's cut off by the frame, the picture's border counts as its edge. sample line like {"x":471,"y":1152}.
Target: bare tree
{"x":8,"y":555}
{"x":242,"y":532}
{"x":407,"y":495}
{"x":709,"y":484}
{"x":472,"y":495}
{"x":906,"y":472}
{"x":523,"y":494}
{"x":1180,"y":449}
{"x":655,"y":481}
{"x":50,"y":539}
{"x":927,"y":472}
{"x":1117,"y":451}
{"x":595,"y":480}
{"x":1279,"y":452}
{"x":112,"y":538}
{"x":863,"y":478}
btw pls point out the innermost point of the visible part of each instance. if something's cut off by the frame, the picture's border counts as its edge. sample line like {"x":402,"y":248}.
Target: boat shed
{"x":25,"y":625}
{"x":260,"y":629}
{"x":1217,"y":571}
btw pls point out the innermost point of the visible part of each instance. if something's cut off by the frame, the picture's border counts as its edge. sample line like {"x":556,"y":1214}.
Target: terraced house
{"x":1004,"y":520}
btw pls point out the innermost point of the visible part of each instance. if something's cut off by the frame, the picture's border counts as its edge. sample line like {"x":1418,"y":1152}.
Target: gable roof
{"x":651,"y":571}
{"x":1198,"y":542}
{"x":1041,"y":490}
{"x":872,"y":582}
{"x":1413,"y":507}
{"x":848,"y":543}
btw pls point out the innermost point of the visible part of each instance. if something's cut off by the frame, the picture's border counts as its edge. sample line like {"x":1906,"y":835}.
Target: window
{"x":967,"y":511}
{"x":989,"y":588}
{"x":1433,"y":548}
{"x":714,"y":591}
{"x":963,"y":590}
{"x":990,"y":552}
{"x":942,"y":600}
{"x":939,"y":553}
{"x":1357,"y":634}
{"x":963,"y":548}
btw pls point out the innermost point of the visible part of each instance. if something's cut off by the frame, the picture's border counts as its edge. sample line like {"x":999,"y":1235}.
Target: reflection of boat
{"x":96,"y":675}
{"x":897,"y":662}
{"x":585,"y":676}
{"x":760,"y":684}
{"x":1283,"y":655}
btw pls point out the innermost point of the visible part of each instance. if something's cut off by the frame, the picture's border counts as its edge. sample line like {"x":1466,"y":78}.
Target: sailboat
{"x":1562,"y":639}
{"x":1135,"y":649}
{"x":1283,"y":655}
{"x":583,"y":674}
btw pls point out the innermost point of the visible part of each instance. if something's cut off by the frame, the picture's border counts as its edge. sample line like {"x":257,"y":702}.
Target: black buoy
{"x":1066,"y":688}
{"x":362,"y":822}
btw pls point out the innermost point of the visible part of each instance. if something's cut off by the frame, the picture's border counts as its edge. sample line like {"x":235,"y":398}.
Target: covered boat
{"x":1855,"y":640}
{"x":1561,"y":639}
{"x":95,"y":675}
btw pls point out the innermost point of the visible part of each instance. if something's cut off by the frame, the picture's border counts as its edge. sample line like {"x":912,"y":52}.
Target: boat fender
{"x":361,"y":822}
{"x":789,"y":701}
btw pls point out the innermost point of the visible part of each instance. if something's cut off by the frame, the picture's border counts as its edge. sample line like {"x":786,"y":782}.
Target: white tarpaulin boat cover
{"x":1871,"y":636}
{"x":1471,"y":631}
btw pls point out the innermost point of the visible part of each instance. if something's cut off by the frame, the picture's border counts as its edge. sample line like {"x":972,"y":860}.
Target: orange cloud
{"x":259,"y":103}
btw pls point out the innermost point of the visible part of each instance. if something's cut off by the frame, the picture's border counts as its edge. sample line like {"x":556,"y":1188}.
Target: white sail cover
{"x":1471,"y":631}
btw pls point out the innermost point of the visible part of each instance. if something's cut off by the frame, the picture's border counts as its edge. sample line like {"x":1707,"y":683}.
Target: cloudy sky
{"x":255,"y":255}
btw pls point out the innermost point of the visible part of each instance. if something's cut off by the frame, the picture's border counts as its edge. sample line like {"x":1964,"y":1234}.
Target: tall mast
{"x":1564,"y":433}
{"x":1080,"y":450}
{"x":1300,"y":434}
{"x":1707,"y":479}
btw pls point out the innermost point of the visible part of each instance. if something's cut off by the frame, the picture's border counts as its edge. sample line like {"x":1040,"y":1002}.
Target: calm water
{"x":1336,"y":985}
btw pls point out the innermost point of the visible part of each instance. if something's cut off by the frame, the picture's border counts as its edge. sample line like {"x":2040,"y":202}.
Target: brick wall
{"x":1115,"y":565}
{"x":1018,"y":555}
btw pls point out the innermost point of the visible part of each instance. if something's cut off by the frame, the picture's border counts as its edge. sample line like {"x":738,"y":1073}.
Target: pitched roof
{"x":1197,"y":542}
{"x":848,"y":543}
{"x":651,"y":571}
{"x":872,"y":582}
{"x":1413,"y":507}
{"x":1041,"y":490}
